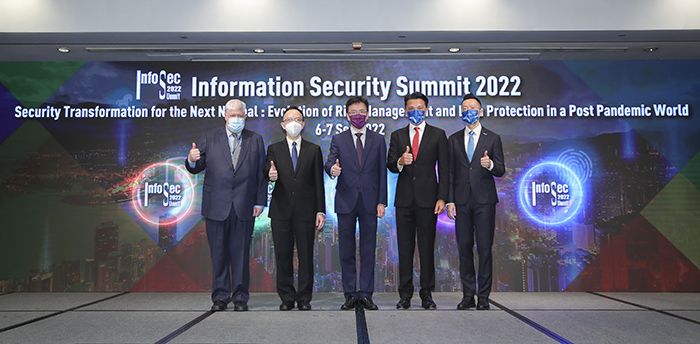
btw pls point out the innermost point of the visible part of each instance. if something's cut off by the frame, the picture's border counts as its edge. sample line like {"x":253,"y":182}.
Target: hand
{"x":439,"y":207}
{"x":273,"y":171}
{"x":320,"y":221}
{"x":336,"y":169}
{"x":451,"y":211}
{"x":485,"y":160}
{"x":406,"y":158}
{"x":257,"y":211}
{"x":194,"y":153}
{"x":380,"y":211}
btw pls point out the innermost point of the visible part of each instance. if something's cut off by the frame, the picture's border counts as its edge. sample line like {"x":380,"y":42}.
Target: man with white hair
{"x":233,"y":195}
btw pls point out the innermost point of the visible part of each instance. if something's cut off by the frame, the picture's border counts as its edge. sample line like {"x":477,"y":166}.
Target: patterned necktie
{"x":295,"y":155}
{"x":470,"y":145}
{"x":416,"y":142}
{"x":236,"y":150}
{"x":360,"y":149}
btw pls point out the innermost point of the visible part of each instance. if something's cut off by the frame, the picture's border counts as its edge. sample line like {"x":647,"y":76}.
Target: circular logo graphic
{"x":550,"y":193}
{"x":163,"y":193}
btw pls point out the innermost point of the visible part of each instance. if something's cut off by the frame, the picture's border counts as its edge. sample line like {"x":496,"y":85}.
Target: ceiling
{"x":299,"y":46}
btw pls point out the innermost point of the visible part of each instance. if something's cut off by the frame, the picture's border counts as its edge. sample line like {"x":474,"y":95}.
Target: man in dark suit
{"x":420,"y":196}
{"x":233,"y":195}
{"x":476,"y":156}
{"x":297,"y":207}
{"x":357,"y":160}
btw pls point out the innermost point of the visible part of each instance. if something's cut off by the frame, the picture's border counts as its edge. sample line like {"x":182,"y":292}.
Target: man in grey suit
{"x":476,"y":157}
{"x":233,"y":195}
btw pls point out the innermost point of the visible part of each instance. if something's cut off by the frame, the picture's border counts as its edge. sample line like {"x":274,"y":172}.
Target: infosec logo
{"x":550,"y":193}
{"x":162,"y":194}
{"x":168,"y":84}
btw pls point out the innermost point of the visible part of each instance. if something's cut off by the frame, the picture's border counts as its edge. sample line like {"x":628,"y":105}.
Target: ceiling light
{"x":454,"y":50}
{"x":258,"y":50}
{"x":651,"y":49}
{"x":63,"y":50}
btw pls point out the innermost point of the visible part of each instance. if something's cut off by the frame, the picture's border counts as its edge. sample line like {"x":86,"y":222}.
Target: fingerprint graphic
{"x":579,"y":162}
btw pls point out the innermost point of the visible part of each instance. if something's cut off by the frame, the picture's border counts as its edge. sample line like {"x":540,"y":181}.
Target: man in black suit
{"x":476,"y":156}
{"x":297,"y":207}
{"x":233,"y":195}
{"x":420,"y":196}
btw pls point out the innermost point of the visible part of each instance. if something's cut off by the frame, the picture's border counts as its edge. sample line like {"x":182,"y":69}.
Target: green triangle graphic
{"x":674,"y":212}
{"x":20,"y":146}
{"x":692,"y":171}
{"x":32,"y":83}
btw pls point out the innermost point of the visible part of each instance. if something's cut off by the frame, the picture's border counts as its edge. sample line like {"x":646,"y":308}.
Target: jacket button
{"x":358,"y":188}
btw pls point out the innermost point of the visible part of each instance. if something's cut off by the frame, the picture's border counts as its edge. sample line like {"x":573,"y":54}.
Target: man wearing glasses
{"x":297,"y":208}
{"x":414,"y":151}
{"x":476,"y":156}
{"x":233,"y":195}
{"x":357,"y":159}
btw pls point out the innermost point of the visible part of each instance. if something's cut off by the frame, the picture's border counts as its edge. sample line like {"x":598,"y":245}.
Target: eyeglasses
{"x":471,"y":108}
{"x":297,"y":119}
{"x":355,"y":112}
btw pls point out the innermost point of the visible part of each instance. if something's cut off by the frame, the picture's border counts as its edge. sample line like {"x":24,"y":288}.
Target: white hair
{"x":235,"y":104}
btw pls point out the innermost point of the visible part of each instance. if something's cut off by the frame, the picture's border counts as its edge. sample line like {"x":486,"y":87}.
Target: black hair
{"x":415,"y":95}
{"x":292,"y":107}
{"x":355,"y":100}
{"x":471,"y":96}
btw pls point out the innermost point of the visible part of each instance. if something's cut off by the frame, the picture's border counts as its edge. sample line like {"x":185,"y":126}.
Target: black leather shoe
{"x":428,"y":303}
{"x":240,"y":306}
{"x":350,"y":303}
{"x":218,"y":306}
{"x":287,"y":306}
{"x":368,"y":304}
{"x":304,"y":305}
{"x":483,"y":304}
{"x":466,"y":303}
{"x":404,"y":302}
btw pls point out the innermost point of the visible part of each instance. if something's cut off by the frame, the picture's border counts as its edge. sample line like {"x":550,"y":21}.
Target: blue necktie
{"x":470,"y":145}
{"x":295,"y":156}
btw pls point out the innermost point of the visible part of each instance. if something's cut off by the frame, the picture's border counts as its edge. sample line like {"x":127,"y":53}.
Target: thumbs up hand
{"x":406,"y":157}
{"x":194,"y":153}
{"x":273,"y":171}
{"x":486,"y":161}
{"x":336,"y":169}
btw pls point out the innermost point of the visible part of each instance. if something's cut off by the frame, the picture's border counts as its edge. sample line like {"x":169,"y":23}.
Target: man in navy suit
{"x":233,"y":195}
{"x":297,"y":208}
{"x":476,"y":156}
{"x":414,"y":151}
{"x":357,"y":160}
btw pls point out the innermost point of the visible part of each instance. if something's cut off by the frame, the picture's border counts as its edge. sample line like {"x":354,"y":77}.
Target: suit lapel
{"x":223,"y":148}
{"x":302,"y":154}
{"x":284,"y":157}
{"x":427,"y":137}
{"x":350,"y":141}
{"x":483,"y":138}
{"x":245,"y":147}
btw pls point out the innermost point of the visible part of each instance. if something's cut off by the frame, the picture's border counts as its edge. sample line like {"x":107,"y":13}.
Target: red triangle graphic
{"x":166,"y":275}
{"x":638,"y":258}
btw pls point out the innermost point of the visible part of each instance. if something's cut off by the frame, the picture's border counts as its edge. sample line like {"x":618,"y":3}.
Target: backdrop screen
{"x":601,"y":190}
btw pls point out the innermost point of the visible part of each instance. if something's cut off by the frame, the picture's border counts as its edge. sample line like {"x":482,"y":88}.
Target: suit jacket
{"x":418,"y":180}
{"x":299,"y":192}
{"x":469,"y":177}
{"x":243,"y":186}
{"x":370,"y":178}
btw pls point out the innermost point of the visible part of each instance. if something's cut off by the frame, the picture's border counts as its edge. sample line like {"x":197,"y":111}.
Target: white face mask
{"x":236,"y":124}
{"x":293,"y":128}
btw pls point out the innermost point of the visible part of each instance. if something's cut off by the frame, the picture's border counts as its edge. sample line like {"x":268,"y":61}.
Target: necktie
{"x":295,"y":155}
{"x":236,"y":150}
{"x":416,"y":142}
{"x":359,"y":147}
{"x":470,"y":145}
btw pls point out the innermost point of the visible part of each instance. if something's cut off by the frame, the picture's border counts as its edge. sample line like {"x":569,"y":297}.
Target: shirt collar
{"x":355,"y":131}
{"x":477,"y":130}
{"x":421,"y":126}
